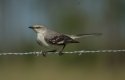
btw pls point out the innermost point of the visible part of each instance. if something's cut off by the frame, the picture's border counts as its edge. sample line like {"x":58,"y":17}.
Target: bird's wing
{"x":60,"y":39}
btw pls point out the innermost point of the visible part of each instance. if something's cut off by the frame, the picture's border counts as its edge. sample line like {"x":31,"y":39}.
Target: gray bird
{"x":55,"y":40}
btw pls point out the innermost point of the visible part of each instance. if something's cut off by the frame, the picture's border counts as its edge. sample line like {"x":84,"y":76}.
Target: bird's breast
{"x":41,"y":40}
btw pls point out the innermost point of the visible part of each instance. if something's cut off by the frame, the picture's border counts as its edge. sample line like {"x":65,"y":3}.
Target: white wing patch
{"x":61,"y":42}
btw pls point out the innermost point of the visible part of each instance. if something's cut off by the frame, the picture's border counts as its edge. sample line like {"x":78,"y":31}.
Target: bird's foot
{"x":44,"y":53}
{"x":61,"y":53}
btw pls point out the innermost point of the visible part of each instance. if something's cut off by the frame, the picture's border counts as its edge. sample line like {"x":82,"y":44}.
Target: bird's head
{"x":38,"y":28}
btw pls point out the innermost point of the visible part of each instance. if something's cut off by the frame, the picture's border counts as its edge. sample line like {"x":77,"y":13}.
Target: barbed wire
{"x":74,"y":52}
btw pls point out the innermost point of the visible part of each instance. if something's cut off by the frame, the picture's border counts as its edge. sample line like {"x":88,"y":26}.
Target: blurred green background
{"x":66,"y":16}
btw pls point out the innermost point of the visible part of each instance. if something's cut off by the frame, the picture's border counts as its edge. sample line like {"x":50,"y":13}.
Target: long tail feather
{"x":84,"y":35}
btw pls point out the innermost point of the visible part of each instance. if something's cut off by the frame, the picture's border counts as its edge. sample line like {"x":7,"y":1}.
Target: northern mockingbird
{"x":50,"y":38}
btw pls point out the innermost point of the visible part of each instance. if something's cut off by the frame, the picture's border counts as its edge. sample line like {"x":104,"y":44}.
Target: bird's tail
{"x":84,"y":35}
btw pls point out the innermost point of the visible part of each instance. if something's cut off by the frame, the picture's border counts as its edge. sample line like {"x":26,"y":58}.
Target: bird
{"x":55,"y":40}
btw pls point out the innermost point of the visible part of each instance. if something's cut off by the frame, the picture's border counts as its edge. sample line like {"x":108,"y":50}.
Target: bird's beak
{"x":31,"y":27}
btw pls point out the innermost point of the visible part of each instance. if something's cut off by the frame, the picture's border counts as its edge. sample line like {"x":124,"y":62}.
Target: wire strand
{"x":74,"y":52}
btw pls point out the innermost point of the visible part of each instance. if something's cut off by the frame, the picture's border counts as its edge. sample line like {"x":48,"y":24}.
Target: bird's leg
{"x":45,"y":52}
{"x":52,"y":50}
{"x":60,"y":52}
